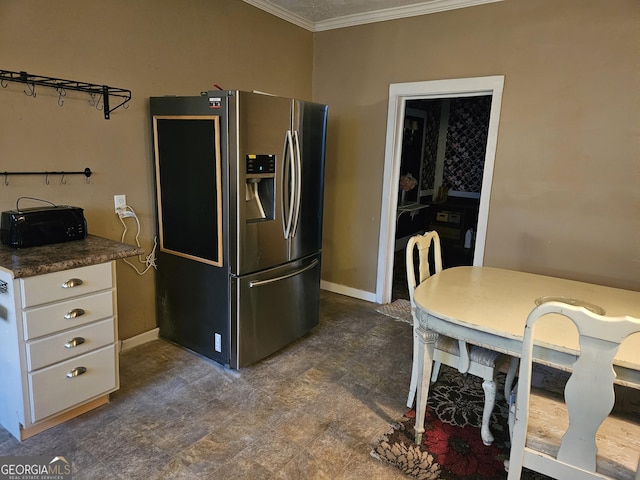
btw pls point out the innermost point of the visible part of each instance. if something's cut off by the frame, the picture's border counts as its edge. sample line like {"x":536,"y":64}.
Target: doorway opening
{"x":447,"y":194}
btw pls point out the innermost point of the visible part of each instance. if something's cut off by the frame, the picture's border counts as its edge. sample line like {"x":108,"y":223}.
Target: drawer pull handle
{"x":74,"y":342}
{"x":76,"y":312}
{"x":72,"y":282}
{"x":76,"y":371}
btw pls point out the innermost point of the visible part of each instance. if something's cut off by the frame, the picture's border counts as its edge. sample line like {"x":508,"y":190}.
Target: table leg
{"x":489,"y":387}
{"x":426,"y":342}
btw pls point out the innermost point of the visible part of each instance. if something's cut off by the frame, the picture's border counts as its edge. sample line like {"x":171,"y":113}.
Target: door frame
{"x":399,"y":93}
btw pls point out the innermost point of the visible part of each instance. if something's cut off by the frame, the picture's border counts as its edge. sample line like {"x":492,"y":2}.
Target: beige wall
{"x":566,"y":187}
{"x":154,"y":48}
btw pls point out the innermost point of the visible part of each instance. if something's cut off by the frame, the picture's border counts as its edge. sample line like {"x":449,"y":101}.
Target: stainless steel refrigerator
{"x":239,"y":187}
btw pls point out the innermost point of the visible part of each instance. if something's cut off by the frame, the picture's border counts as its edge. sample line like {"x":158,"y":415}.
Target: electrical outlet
{"x":218,"y":342}
{"x":119,"y":202}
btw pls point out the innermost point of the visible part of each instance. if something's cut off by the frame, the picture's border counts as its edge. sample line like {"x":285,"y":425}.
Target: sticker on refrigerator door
{"x":215,"y":102}
{"x":218,"y":342}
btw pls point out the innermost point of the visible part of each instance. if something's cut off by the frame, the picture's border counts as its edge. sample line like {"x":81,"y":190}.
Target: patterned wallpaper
{"x":432,"y":127}
{"x":466,"y":141}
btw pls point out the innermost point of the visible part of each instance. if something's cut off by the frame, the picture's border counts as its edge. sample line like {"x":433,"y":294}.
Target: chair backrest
{"x":589,"y":393}
{"x":423,"y":244}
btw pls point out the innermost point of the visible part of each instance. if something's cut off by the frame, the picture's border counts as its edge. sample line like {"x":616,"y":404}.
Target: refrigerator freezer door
{"x":274,"y":308}
{"x":261,"y":123}
{"x":193,"y":305}
{"x":310,"y":123}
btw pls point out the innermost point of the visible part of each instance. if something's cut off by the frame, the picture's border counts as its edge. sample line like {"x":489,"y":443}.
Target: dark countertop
{"x":27,"y":262}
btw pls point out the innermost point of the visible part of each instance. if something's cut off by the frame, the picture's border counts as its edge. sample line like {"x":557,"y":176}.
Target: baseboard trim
{"x":150,"y":335}
{"x":348,"y":291}
{"x":61,"y":418}
{"x":145,"y":337}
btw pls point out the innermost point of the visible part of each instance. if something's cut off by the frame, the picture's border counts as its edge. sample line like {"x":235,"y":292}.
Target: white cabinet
{"x":58,"y":346}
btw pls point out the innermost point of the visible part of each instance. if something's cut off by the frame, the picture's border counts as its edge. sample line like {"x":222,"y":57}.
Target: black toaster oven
{"x":30,"y":227}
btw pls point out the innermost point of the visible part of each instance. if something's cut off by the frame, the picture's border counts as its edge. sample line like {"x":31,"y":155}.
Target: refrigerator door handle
{"x":298,"y":192}
{"x":288,"y":188}
{"x":258,"y":283}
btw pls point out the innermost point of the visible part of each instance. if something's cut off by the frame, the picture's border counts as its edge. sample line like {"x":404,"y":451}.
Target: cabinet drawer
{"x":56,"y":348}
{"x":50,"y":287}
{"x":454,"y":217}
{"x":442,"y":216}
{"x":51,"y":391}
{"x":41,"y":321}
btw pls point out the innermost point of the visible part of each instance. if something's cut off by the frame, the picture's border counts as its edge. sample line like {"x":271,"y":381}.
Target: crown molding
{"x":424,"y":8}
{"x":282,"y":13}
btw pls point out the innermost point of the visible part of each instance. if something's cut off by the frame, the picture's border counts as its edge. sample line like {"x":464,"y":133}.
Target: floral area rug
{"x":451,"y":447}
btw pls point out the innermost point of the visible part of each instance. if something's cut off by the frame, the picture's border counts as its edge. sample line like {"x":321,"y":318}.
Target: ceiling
{"x":318,"y":15}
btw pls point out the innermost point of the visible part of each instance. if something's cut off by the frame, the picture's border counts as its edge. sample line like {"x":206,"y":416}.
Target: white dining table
{"x":488,"y":307}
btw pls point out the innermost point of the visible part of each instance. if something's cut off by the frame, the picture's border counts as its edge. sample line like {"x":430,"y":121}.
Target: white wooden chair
{"x":475,"y":360}
{"x":575,"y":438}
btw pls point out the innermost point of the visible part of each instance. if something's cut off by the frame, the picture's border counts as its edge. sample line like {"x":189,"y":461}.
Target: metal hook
{"x":6,"y":179}
{"x":87,"y":180}
{"x":46,"y":178}
{"x":3,"y":83}
{"x":62,"y":180}
{"x":32,"y":89}
{"x":92,"y":99}
{"x":99,"y":107}
{"x":61,"y":93}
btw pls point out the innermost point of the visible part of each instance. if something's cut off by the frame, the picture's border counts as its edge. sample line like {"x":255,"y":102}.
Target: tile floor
{"x":312,"y":411}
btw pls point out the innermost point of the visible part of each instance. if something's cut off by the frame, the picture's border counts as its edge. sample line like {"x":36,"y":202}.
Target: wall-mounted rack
{"x":61,"y":86}
{"x":86,"y":172}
